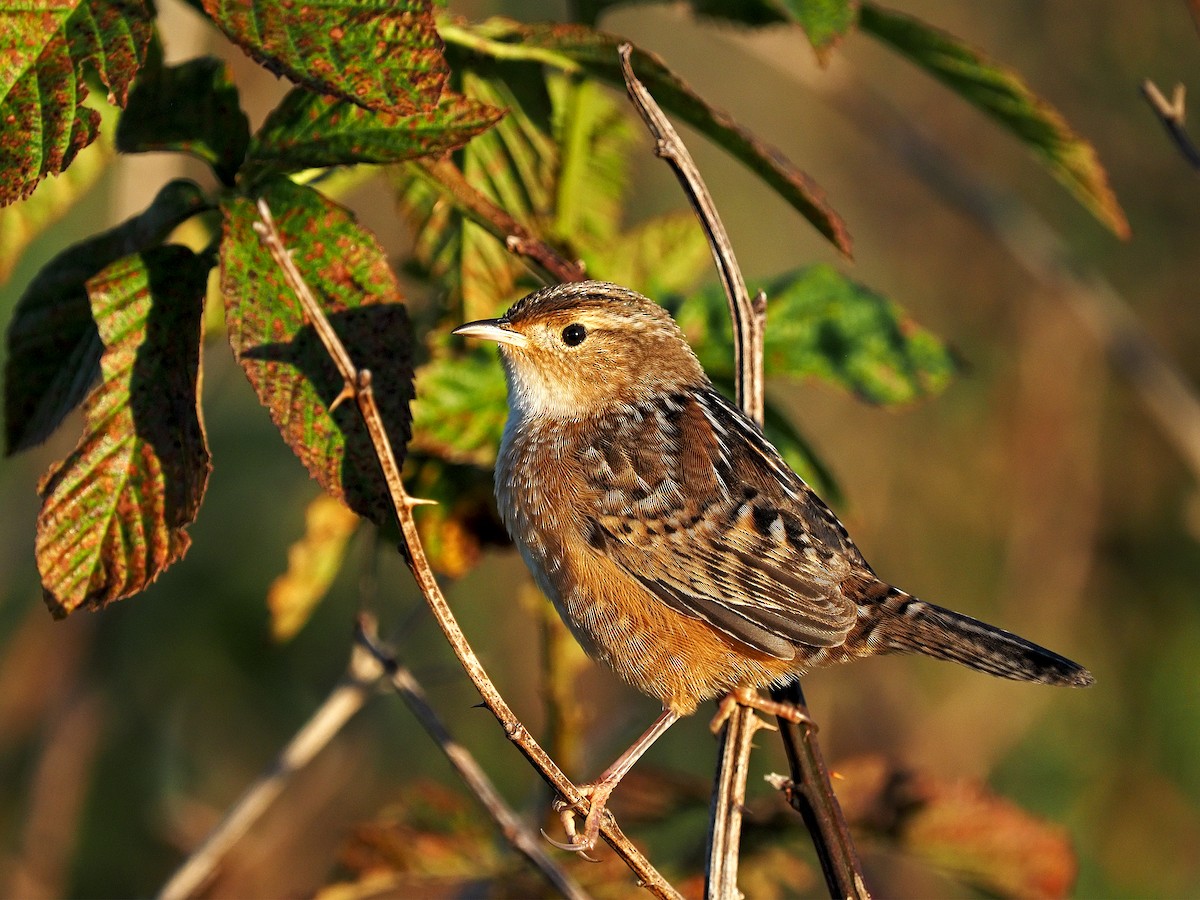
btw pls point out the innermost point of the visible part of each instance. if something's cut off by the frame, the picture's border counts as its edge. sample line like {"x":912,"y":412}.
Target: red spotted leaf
{"x":49,"y":49}
{"x":283,"y":357}
{"x":310,"y":130}
{"x":381,"y":54}
{"x":115,"y":512}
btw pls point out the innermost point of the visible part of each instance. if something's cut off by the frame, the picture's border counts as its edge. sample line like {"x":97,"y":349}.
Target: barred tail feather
{"x":914,"y":626}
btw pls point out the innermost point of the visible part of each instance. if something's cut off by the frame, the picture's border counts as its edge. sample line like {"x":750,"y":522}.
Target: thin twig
{"x":522,"y":839}
{"x":346,"y":699}
{"x":358,"y":384}
{"x":1172,"y":114}
{"x":444,"y":176}
{"x":829,"y":831}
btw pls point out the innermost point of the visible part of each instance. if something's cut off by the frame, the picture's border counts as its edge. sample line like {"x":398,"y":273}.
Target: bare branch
{"x":525,"y":841}
{"x":346,"y":699}
{"x":829,"y":832}
{"x":1172,"y":115}
{"x":358,"y":383}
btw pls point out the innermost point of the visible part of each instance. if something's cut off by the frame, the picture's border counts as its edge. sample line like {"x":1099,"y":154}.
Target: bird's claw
{"x":576,"y":842}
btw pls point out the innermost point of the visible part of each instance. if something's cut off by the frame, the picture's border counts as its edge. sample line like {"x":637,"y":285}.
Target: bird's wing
{"x":699,"y":508}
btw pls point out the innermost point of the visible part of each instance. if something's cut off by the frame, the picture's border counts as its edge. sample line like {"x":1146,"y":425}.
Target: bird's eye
{"x":574,"y":334}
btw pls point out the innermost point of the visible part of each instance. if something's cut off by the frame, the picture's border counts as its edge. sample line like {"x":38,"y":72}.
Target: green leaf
{"x":821,"y":324}
{"x":575,"y":48}
{"x":1003,"y":95}
{"x":23,"y":221}
{"x":114,"y":513}
{"x":659,"y":257}
{"x":825,"y":22}
{"x":285,"y":361}
{"x":380,"y":54}
{"x":192,"y":107}
{"x":48,"y":51}
{"x":309,"y":130}
{"x":53,"y":346}
{"x":462,"y":403}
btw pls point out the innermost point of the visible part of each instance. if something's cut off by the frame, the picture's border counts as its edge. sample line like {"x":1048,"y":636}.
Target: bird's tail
{"x":905,"y":624}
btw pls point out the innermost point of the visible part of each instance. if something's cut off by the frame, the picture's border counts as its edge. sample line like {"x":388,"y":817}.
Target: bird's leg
{"x":599,"y":791}
{"x":748,"y":696}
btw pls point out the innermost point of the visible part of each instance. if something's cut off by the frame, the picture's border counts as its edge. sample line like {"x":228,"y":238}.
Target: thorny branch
{"x":1172,"y":114}
{"x":823,"y":815}
{"x":358,"y":385}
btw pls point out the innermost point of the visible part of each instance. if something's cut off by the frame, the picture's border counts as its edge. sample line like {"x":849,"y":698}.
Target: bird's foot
{"x":597,"y":796}
{"x":746,"y":696}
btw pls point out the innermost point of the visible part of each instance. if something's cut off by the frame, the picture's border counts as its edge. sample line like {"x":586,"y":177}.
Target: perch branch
{"x":525,"y":841}
{"x":1172,"y":114}
{"x":358,"y":384}
{"x":830,"y":834}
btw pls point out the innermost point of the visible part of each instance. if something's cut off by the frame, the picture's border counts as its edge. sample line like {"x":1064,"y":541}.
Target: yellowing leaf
{"x":313,"y":563}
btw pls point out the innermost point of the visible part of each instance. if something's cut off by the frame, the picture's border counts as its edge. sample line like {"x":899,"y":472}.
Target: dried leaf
{"x":1003,"y":95}
{"x":313,"y":563}
{"x":384,"y":56}
{"x":115,"y":512}
{"x":285,"y":361}
{"x":49,"y":48}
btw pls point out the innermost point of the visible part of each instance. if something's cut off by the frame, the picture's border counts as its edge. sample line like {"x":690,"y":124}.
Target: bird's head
{"x":580,"y":349}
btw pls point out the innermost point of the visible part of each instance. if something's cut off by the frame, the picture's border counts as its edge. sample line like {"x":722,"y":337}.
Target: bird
{"x":676,"y":543}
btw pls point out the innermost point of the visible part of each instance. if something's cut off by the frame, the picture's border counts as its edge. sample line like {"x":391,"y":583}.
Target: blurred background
{"x":1038,"y":493}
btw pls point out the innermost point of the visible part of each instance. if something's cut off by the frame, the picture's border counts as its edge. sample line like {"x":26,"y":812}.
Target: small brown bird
{"x":678,"y":546}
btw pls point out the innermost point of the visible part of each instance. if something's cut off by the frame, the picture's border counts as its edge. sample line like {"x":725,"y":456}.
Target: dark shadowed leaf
{"x":573,"y":48}
{"x":313,"y":562}
{"x":191,"y":107}
{"x":381,"y":55}
{"x":49,"y":49}
{"x":821,"y":324}
{"x":1003,"y":95}
{"x":464,"y":522}
{"x":114,"y":512}
{"x":53,"y":346}
{"x":21,"y":222}
{"x":286,"y":362}
{"x":310,"y":130}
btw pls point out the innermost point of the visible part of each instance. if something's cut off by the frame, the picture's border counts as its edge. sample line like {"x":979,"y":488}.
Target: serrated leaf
{"x":575,"y":48}
{"x":285,"y":361}
{"x":825,"y":22}
{"x":821,"y":324}
{"x":23,"y":221}
{"x":462,"y":403}
{"x":310,"y":130}
{"x":313,"y":562}
{"x":49,"y":50}
{"x":381,"y":54}
{"x":1003,"y":95}
{"x":192,"y":107}
{"x":53,"y":346}
{"x":661,"y":256}
{"x":115,"y":512}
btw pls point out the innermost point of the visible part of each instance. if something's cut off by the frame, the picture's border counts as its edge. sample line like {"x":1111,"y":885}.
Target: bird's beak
{"x":497,"y":330}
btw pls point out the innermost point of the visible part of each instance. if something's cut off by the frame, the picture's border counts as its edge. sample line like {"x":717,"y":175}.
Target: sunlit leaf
{"x":192,"y":107}
{"x":462,"y":403}
{"x":821,"y":324}
{"x":576,"y":48}
{"x":661,"y":256}
{"x":310,"y":130}
{"x":115,"y":512}
{"x":21,"y":222}
{"x":313,"y":562}
{"x":53,"y":346}
{"x":1003,"y":95}
{"x":381,"y":55}
{"x":49,"y":49}
{"x":285,"y":361}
